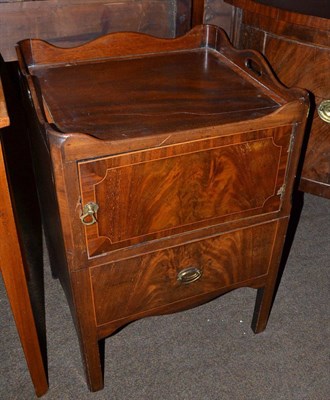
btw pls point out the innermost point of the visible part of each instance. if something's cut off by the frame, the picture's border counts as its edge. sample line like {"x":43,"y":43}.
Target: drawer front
{"x":145,"y":283}
{"x":157,"y":193}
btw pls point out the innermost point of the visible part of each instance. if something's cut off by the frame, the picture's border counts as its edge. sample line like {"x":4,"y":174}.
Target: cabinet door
{"x":160,"y":192}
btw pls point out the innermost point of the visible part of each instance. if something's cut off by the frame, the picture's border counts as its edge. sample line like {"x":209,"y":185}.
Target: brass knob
{"x":89,"y":212}
{"x":189,"y":275}
{"x":324,"y":110}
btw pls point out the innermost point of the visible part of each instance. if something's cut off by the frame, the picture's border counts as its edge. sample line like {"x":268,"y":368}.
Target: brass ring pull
{"x":324,"y":111}
{"x":89,"y":211}
{"x":189,"y":275}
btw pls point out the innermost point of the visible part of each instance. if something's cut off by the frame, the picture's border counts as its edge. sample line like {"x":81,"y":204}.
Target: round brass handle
{"x":189,"y":275}
{"x":324,"y":110}
{"x":88,"y":215}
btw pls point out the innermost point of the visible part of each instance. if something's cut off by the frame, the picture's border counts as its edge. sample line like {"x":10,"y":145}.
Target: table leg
{"x":266,"y":294}
{"x":14,"y":277}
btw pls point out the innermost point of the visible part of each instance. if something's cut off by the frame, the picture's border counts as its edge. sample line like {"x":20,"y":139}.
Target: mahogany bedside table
{"x":13,"y":274}
{"x":165,"y":169}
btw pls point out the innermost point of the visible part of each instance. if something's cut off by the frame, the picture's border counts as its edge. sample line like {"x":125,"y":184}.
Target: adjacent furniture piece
{"x":213,"y":12}
{"x":295,"y":38}
{"x":15,"y":276}
{"x":73,"y":22}
{"x":165,"y":170}
{"x":197,"y":12}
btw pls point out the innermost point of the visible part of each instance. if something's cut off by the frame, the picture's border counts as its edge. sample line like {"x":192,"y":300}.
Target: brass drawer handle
{"x":324,"y":111}
{"x":189,"y":275}
{"x":89,"y":211}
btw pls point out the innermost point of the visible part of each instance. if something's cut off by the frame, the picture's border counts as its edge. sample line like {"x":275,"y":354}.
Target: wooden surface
{"x":297,"y":47}
{"x":197,"y":17}
{"x":316,"y":8}
{"x":67,"y":109}
{"x":152,"y":279}
{"x":14,"y":274}
{"x":215,"y":12}
{"x":75,"y":22}
{"x":190,"y":177}
{"x":187,"y":206}
{"x":4,"y":118}
{"x":219,"y":13}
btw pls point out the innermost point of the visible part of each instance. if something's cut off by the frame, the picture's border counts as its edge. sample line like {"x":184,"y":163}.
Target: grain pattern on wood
{"x":285,"y":58}
{"x":204,"y":100}
{"x":148,"y":195}
{"x":285,"y":13}
{"x":145,"y":283}
{"x":297,"y":47}
{"x":200,"y":98}
{"x":193,"y":162}
{"x":76,"y":22}
{"x":314,"y":8}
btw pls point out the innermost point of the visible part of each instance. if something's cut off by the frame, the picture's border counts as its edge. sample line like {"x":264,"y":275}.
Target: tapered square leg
{"x":262,"y":310}
{"x":92,"y":359}
{"x":266,"y":294}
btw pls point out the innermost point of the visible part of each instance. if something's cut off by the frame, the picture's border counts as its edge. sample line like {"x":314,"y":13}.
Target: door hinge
{"x":291,"y":144}
{"x":281,"y":191}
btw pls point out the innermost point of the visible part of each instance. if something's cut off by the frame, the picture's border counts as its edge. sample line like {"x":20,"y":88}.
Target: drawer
{"x":161,"y":192}
{"x":143,"y":284}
